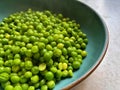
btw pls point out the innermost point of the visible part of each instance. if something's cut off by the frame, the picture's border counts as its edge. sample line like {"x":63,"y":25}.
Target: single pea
{"x":53,"y":44}
{"x":64,"y":51}
{"x":64,"y":73}
{"x":37,"y":85}
{"x":84,"y":53}
{"x":23,"y":50}
{"x":49,"y":75}
{"x":2,"y":69}
{"x":70,"y":67}
{"x":9,"y":87}
{"x":57,"y":52}
{"x":31,"y":88}
{"x":60,"y":45}
{"x":28,"y":65}
{"x":28,"y":53}
{"x":50,"y":38}
{"x":16,"y":61}
{"x":15,"y":68}
{"x":50,"y":63}
{"x":2,"y":53}
{"x":47,"y":56}
{"x":32,"y":39}
{"x":35,"y":70}
{"x":15,"y":79}
{"x":7,"y":69}
{"x":1,"y":63}
{"x":22,"y":44}
{"x":17,"y":56}
{"x":80,"y":40}
{"x":44,"y":87}
{"x":67,"y":43}
{"x":60,"y":66}
{"x":74,"y":54}
{"x":35,"y":49}
{"x":23,"y":79}
{"x":85,"y":40}
{"x":76,"y":64}
{"x":62,"y":59}
{"x":25,"y":39}
{"x":35,"y":79}
{"x":8,"y":63}
{"x":70,"y":73}
{"x":25,"y":86}
{"x":28,"y":74}
{"x":41,"y":45}
{"x":42,"y":66}
{"x":58,"y":75}
{"x":49,"y":47}
{"x":5,"y":41}
{"x":51,"y":84}
{"x":17,"y":87}
{"x":30,"y":32}
{"x":22,"y":64}
{"x":42,"y":82}
{"x":15,"y":49}
{"x":29,"y":45}
{"x":83,"y":45}
{"x":64,"y":66}
{"x":4,"y":77}
{"x":53,"y":69}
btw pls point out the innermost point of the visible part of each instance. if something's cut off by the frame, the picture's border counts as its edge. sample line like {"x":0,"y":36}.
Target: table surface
{"x":107,"y":75}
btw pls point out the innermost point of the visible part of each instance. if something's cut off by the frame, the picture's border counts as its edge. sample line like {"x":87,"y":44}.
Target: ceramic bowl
{"x":91,"y":24}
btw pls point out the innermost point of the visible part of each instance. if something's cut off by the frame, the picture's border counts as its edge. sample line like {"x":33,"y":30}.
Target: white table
{"x":107,"y":75}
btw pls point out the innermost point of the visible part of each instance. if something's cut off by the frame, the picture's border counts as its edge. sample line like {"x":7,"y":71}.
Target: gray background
{"x":107,"y":75}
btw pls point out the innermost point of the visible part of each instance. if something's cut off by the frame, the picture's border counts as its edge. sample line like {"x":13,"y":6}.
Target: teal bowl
{"x":91,"y":24}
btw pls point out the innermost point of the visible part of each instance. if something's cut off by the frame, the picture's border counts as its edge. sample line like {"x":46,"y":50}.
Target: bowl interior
{"x":90,"y":22}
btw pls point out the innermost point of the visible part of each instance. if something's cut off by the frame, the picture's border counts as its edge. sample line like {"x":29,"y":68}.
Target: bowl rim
{"x":102,"y":55}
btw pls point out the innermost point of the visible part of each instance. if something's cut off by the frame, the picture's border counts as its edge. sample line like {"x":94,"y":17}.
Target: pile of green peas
{"x":38,"y":49}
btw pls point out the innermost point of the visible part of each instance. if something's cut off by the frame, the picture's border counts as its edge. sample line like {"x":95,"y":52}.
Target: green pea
{"x":76,"y":64}
{"x":31,"y":88}
{"x":7,"y":69}
{"x":60,"y":45}
{"x":35,"y":70}
{"x":28,"y":74}
{"x":15,"y":68}
{"x":84,"y":53}
{"x":53,"y":69}
{"x":44,"y":87}
{"x":28,"y":65}
{"x":1,"y":62}
{"x":47,"y":56}
{"x":42,"y":82}
{"x":17,"y":56}
{"x":4,"y":77}
{"x":9,"y":87}
{"x":35,"y":79}
{"x":23,"y":79}
{"x":15,"y":79}
{"x":57,"y":52}
{"x":41,"y":45}
{"x":65,"y":73}
{"x":17,"y":87}
{"x":25,"y":86}
{"x":51,"y":84}
{"x":16,"y":61}
{"x":42,"y":66}
{"x":34,"y":49}
{"x":83,"y":45}
{"x":49,"y":75}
